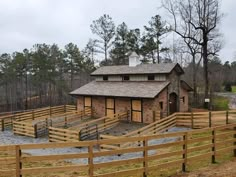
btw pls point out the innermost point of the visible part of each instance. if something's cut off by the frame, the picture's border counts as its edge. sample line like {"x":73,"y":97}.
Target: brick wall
{"x":149,"y":105}
{"x":183,"y":102}
{"x":98,"y":103}
{"x":123,"y":105}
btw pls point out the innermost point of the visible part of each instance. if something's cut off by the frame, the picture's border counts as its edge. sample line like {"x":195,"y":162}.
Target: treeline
{"x":42,"y":75}
{"x":47,"y":73}
{"x":222,"y":76}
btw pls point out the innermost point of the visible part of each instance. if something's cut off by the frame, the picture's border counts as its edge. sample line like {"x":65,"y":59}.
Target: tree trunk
{"x":26,"y":92}
{"x":158,"y":51}
{"x":194,"y":81}
{"x":205,"y":67}
{"x":105,"y":50}
{"x":6,"y":97}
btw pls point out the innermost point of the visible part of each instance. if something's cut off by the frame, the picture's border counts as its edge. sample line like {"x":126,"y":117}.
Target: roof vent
{"x":134,"y":59}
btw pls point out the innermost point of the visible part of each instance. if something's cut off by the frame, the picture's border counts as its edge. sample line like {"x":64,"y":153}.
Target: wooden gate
{"x":136,"y":107}
{"x":87,"y":102}
{"x":110,"y":106}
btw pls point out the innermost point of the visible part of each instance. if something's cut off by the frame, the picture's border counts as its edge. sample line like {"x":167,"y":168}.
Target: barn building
{"x":139,"y":88}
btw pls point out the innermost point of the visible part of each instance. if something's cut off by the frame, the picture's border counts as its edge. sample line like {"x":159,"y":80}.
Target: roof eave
{"x":110,"y":74}
{"x":74,"y":95}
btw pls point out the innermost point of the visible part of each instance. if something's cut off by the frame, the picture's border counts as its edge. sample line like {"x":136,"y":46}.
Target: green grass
{"x":234,"y":89}
{"x":220,"y":103}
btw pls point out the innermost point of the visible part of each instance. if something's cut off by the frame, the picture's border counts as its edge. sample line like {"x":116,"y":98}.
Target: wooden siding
{"x":158,"y":77}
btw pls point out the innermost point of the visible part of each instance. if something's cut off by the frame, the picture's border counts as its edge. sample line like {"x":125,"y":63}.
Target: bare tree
{"x":201,"y":15}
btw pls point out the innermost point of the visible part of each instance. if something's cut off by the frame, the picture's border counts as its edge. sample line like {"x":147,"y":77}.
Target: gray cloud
{"x":24,"y":23}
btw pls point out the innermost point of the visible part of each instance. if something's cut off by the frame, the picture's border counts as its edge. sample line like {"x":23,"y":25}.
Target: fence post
{"x":65,"y":121}
{"x":213,"y":149}
{"x":227,"y":117}
{"x":192,"y":125}
{"x":90,"y":160}
{"x":65,"y":110}
{"x":2,"y":124}
{"x":46,"y":122}
{"x":139,"y":141}
{"x":50,"y":110}
{"x":35,"y":131}
{"x":145,"y":157}
{"x":185,"y":139}
{"x":209,"y":118}
{"x":235,"y":142}
{"x":18,"y":161}
{"x":33,"y":115}
{"x":153,"y":116}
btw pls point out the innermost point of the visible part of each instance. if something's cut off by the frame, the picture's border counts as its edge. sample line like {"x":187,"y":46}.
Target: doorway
{"x":173,"y":103}
{"x":110,"y":106}
{"x":136,"y":114}
{"x":87,"y":102}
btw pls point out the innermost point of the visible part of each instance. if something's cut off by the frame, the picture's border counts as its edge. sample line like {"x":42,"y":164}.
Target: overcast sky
{"x":27,"y":22}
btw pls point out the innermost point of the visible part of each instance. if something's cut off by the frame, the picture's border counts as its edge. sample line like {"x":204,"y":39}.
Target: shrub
{"x":228,"y":87}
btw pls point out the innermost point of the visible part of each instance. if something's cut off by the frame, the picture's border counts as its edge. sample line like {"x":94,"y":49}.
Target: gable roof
{"x":186,"y":86}
{"x":162,"y":68}
{"x":121,"y":89}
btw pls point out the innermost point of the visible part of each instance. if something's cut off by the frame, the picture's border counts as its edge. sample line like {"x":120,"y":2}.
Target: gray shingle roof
{"x":122,"y":89}
{"x":139,"y":69}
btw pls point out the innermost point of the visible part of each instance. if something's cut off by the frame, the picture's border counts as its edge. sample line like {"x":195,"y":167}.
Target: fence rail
{"x":39,"y":127}
{"x":172,"y":150}
{"x":205,"y":119}
{"x":88,"y":129}
{"x":7,"y":120}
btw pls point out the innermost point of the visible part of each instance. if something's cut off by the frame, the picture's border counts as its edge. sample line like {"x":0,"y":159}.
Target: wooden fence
{"x":156,"y":153}
{"x":205,"y":119}
{"x":86,"y":130}
{"x":153,"y":128}
{"x":7,"y":120}
{"x":39,"y":127}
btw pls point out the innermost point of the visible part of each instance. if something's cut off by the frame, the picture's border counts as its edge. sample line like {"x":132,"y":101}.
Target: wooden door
{"x":173,"y":103}
{"x":110,"y":106}
{"x":136,"y":106}
{"x":87,"y":102}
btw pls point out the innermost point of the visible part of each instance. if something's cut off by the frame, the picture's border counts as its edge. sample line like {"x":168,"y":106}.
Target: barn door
{"x":136,"y":106}
{"x":88,"y":102}
{"x":110,"y":106}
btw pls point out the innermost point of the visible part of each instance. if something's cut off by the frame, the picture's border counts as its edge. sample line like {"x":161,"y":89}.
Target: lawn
{"x":234,"y":89}
{"x":220,"y":103}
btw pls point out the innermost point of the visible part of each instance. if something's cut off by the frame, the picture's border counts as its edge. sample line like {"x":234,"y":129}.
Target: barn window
{"x":183,"y":99}
{"x":151,"y":77}
{"x":126,"y":78}
{"x":105,"y":78}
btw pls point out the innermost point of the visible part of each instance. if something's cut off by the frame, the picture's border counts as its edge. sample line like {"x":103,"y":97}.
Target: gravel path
{"x":7,"y":138}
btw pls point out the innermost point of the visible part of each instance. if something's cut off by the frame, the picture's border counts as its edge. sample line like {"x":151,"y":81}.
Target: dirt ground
{"x":123,"y":128}
{"x":227,"y":169}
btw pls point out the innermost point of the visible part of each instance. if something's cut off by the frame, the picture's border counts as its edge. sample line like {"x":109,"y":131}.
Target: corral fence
{"x":153,"y":128}
{"x":39,"y":126}
{"x":192,"y":120}
{"x":6,"y":121}
{"x":173,"y":151}
{"x":87,"y":130}
{"x":205,"y":119}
